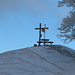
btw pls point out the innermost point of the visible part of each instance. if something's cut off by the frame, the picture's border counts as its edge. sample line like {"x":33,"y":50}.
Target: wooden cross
{"x":43,"y":30}
{"x":39,"y":33}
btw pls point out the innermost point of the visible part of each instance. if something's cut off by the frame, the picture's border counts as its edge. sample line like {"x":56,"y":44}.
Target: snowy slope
{"x":40,"y":60}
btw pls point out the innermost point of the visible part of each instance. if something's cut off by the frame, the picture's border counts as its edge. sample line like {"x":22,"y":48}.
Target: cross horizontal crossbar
{"x":41,"y":28}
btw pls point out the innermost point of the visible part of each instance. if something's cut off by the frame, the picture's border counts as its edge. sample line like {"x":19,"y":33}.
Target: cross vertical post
{"x":44,"y":33}
{"x":40,"y":34}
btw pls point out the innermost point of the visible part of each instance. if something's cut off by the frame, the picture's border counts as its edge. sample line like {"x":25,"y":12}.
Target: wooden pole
{"x":44,"y":33}
{"x":40,"y":34}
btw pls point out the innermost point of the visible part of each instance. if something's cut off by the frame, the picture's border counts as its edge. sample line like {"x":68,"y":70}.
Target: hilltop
{"x":39,"y":60}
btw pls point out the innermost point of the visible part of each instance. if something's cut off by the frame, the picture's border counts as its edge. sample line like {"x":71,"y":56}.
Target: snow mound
{"x":64,"y":50}
{"x":39,"y":60}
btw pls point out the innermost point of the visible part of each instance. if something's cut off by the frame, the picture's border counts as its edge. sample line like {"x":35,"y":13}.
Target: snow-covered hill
{"x":40,"y":60}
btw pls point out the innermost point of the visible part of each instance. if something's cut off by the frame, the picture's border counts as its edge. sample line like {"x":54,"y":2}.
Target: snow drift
{"x":39,"y":60}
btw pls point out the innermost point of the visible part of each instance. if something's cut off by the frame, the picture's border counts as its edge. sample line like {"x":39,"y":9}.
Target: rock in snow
{"x":39,"y":60}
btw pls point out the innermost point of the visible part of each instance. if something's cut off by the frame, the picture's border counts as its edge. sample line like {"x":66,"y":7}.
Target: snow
{"x":39,"y":60}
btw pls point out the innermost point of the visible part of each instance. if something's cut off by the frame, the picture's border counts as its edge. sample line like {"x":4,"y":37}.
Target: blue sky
{"x":19,"y":18}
